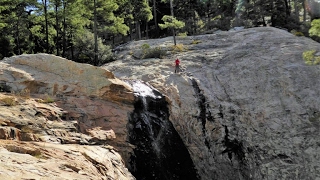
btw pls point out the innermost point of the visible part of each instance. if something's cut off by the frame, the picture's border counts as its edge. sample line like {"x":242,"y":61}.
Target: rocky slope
{"x":74,"y":112}
{"x":41,"y":160}
{"x":245,"y":107}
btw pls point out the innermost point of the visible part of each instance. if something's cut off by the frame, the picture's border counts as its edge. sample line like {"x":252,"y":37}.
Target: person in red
{"x":177,"y":66}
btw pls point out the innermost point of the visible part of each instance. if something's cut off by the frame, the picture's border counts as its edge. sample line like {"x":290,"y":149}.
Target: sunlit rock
{"x":246,"y":105}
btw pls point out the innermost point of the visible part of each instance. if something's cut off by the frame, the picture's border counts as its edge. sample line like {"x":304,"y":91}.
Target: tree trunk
{"x":18,"y":35}
{"x":287,"y":8}
{"x":130,"y":31}
{"x":296,"y":10}
{"x":57,"y":29}
{"x":155,"y":18}
{"x":147,"y":30}
{"x":95,"y":32}
{"x":64,"y":43}
{"x":46,"y":24}
{"x":304,"y":11}
{"x":138,"y":30}
{"x":72,"y":48}
{"x":173,"y":31}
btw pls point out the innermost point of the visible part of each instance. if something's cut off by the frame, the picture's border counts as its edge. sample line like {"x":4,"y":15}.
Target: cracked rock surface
{"x":245,"y":105}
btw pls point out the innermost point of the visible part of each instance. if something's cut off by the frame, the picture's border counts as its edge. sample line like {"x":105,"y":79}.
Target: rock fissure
{"x":204,"y":113}
{"x":233,"y":147}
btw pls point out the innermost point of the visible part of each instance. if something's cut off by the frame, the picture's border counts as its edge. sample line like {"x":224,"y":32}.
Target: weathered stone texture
{"x":26,"y":160}
{"x":246,"y":105}
{"x":50,"y":99}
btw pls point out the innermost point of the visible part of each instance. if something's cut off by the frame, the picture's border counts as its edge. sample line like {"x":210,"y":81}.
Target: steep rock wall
{"x":159,"y":151}
{"x":245,"y":105}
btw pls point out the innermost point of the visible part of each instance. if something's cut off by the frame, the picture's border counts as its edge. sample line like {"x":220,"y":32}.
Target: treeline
{"x":86,"y":30}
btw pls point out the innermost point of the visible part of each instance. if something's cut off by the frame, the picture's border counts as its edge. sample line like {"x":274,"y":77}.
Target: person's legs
{"x":177,"y":69}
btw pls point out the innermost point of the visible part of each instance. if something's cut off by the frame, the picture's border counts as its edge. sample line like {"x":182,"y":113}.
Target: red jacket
{"x":177,"y":62}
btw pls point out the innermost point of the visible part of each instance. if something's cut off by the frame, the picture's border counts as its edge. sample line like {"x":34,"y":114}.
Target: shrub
{"x":315,"y":28}
{"x":156,"y":52}
{"x":179,"y":48}
{"x":145,"y":46}
{"x":317,"y":60}
{"x":310,"y":58}
{"x":8,"y":101}
{"x":182,"y":34}
{"x":195,"y":42}
{"x":297,"y":33}
{"x":46,"y":99}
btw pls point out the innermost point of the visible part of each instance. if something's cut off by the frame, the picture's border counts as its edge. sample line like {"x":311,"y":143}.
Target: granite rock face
{"x":92,"y":98}
{"x":39,"y":160}
{"x":245,"y":105}
{"x":55,"y":101}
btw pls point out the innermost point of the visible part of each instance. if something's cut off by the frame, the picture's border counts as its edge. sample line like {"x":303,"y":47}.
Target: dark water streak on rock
{"x":160,"y":154}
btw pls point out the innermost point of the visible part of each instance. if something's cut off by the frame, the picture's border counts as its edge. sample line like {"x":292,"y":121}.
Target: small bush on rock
{"x":145,"y":46}
{"x":297,"y":33}
{"x":179,"y":48}
{"x":46,"y":99}
{"x":184,"y":34}
{"x":195,"y":41}
{"x":310,"y":58}
{"x":8,"y":101}
{"x":156,"y":52}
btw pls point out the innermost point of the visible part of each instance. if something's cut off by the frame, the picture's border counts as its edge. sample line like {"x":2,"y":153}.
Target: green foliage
{"x":23,"y":22}
{"x":145,"y":46}
{"x":199,"y":24}
{"x":14,"y":24}
{"x":145,"y":50}
{"x":171,"y":22}
{"x":48,"y":99}
{"x":142,"y":10}
{"x":315,"y":28}
{"x":84,"y":46}
{"x":184,"y":34}
{"x":178,"y":48}
{"x":216,"y":18}
{"x":310,"y":58}
{"x":195,"y":41}
{"x":108,"y":22}
{"x":156,"y":52}
{"x":148,"y":52}
{"x":297,"y":33}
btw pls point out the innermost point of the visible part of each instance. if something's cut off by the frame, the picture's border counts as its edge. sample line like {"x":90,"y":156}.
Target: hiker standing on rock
{"x":177,"y":69}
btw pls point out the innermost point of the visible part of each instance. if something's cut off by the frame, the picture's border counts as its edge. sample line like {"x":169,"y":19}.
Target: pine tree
{"x":142,"y":14}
